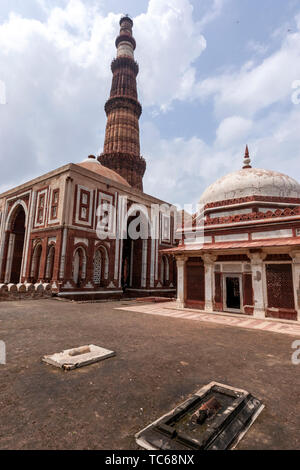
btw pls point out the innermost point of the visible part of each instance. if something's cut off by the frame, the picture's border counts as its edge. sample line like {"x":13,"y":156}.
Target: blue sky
{"x":214,"y":75}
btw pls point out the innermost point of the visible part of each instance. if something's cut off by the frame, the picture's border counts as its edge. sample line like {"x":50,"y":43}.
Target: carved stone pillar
{"x":43,"y":262}
{"x":258,"y":274}
{"x":296,"y":279}
{"x":10,"y":254}
{"x":63,"y":254}
{"x":181,"y":281}
{"x":209,"y":261}
{"x":144,"y":263}
{"x":5,"y":244}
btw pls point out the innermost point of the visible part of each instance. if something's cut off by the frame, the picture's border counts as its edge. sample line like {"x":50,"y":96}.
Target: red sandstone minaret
{"x":122,"y":140}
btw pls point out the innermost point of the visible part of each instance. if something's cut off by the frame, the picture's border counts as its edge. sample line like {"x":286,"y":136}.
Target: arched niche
{"x":16,"y":226}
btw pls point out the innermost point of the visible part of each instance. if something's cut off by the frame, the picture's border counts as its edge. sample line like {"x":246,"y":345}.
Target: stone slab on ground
{"x":78,"y":357}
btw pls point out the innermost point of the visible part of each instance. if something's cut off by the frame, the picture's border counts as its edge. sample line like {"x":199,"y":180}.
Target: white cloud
{"x":57,"y":75}
{"x":255,"y":86}
{"x":258,"y":47}
{"x":234,"y":128}
{"x":213,"y":12}
{"x":180,"y":169}
{"x":169,"y":41}
{"x":243,"y":102}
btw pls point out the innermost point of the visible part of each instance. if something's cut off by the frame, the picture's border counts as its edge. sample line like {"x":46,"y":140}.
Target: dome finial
{"x":247,"y":160}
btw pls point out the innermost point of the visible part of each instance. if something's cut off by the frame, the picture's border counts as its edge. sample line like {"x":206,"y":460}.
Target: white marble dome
{"x":251,"y":182}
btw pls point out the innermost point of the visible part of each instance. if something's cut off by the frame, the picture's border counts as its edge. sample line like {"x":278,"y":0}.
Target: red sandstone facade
{"x":241,"y":252}
{"x":48,"y":226}
{"x":48,"y":235}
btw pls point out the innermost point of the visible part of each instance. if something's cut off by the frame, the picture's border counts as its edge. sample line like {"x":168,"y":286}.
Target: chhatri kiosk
{"x":248,"y":261}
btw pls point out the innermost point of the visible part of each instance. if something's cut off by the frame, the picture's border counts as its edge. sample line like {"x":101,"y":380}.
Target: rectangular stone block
{"x":78,"y":357}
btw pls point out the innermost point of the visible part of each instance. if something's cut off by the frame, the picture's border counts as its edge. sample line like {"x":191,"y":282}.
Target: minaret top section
{"x":125,"y":42}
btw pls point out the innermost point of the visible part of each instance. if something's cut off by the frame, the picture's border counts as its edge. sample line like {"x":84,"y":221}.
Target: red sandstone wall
{"x":195,"y":295}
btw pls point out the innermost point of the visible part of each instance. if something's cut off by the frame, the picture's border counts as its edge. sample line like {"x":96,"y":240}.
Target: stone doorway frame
{"x":240,"y":277}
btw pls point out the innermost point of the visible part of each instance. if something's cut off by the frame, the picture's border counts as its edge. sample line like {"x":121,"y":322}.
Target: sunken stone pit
{"x":215,"y":418}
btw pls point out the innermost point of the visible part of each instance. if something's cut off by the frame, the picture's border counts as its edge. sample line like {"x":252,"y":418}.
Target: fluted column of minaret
{"x":121,"y":150}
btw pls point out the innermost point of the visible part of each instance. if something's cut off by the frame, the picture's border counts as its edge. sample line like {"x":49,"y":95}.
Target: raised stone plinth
{"x":3,"y":292}
{"x":21,"y":288}
{"x":47,"y":290}
{"x":30,"y":289}
{"x":39,"y":289}
{"x":12,"y":288}
{"x":23,"y":291}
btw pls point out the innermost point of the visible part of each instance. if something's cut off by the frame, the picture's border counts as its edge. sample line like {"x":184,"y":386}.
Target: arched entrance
{"x":101,"y":266}
{"x":164,"y":270}
{"x":79,"y":266}
{"x":36,"y":263}
{"x":15,"y":246}
{"x":135,"y":246}
{"x":50,"y":263}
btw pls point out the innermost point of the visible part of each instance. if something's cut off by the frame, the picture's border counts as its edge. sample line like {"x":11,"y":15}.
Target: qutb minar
{"x":122,"y":140}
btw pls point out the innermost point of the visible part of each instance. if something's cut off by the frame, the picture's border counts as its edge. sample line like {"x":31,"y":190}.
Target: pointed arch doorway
{"x":15,"y":246}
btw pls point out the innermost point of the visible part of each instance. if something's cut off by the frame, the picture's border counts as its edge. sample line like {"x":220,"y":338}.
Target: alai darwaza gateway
{"x":243,"y":254}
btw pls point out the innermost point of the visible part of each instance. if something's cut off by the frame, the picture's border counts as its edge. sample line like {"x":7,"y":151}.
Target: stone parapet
{"x":24,"y":291}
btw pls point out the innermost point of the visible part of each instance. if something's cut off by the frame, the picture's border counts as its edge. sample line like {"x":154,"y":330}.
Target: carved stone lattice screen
{"x":280,"y":286}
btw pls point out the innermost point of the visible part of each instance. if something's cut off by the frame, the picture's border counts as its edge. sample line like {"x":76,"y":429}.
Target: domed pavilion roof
{"x":92,"y":164}
{"x":251,"y":182}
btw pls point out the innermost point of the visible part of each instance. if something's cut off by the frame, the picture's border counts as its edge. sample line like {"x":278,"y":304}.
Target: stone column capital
{"x":209,"y":258}
{"x":181,"y":259}
{"x":257,"y":258}
{"x":181,"y":280}
{"x":295,"y":255}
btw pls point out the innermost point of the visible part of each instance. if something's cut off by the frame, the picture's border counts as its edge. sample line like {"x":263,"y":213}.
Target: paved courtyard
{"x":240,"y":321}
{"x":161,"y":360}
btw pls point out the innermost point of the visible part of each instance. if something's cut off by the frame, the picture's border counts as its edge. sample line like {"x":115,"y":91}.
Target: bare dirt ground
{"x":160,"y":362}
